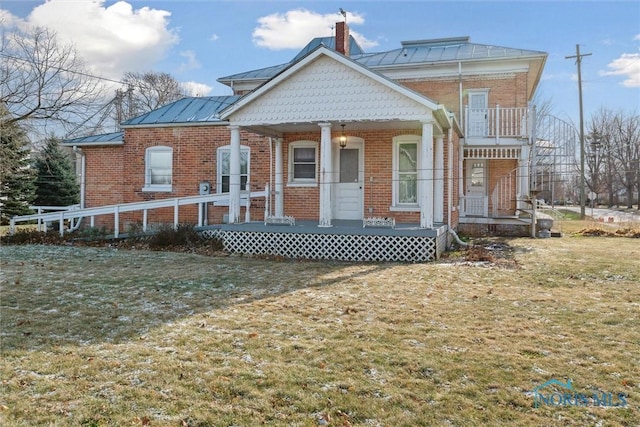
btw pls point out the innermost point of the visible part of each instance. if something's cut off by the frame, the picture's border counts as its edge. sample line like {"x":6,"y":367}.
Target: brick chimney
{"x":342,"y":38}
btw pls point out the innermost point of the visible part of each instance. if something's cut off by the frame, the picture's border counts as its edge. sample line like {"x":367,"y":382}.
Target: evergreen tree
{"x":17,"y":179}
{"x":56,"y":183}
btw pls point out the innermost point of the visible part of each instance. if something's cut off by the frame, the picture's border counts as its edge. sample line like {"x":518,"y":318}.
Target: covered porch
{"x":495,"y":183}
{"x":389,"y":164}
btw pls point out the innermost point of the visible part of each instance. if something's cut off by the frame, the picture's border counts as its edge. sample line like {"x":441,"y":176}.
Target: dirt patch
{"x":600,"y":232}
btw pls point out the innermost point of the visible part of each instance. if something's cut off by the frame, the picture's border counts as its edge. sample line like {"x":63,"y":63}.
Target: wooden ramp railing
{"x":116,"y":210}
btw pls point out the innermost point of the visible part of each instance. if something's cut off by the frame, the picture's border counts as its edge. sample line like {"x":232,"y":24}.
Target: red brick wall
{"x":115,"y":174}
{"x":303,"y":202}
{"x":104,"y":175}
{"x":506,"y":90}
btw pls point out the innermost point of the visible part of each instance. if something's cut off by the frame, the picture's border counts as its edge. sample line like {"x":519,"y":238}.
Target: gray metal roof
{"x":411,"y":52}
{"x":186,"y":110}
{"x":103,"y":139}
{"x":259,"y":74}
{"x":330,"y":42}
{"x":442,"y":50}
{"x":269,"y":72}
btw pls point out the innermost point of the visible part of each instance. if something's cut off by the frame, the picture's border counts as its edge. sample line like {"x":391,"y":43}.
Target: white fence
{"x":76,"y":214}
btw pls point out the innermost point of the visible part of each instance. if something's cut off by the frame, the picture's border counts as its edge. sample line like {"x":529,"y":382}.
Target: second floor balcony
{"x":497,"y":125}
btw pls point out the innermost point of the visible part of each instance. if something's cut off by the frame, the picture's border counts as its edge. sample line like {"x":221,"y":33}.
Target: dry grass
{"x":99,"y":336}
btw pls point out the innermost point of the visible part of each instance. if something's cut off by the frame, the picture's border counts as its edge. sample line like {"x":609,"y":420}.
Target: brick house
{"x":434,"y":134}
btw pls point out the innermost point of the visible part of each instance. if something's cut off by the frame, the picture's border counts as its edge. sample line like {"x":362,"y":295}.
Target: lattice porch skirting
{"x":339,"y":247}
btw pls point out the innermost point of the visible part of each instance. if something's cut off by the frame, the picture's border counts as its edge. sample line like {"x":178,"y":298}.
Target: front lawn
{"x":104,"y":336}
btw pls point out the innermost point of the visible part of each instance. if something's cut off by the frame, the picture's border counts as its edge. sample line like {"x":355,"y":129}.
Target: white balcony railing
{"x":497,"y":123}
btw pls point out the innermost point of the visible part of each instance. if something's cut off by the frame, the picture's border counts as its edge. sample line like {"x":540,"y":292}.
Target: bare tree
{"x":613,"y":154}
{"x":627,"y":152}
{"x":150,"y":90}
{"x":44,"y":81}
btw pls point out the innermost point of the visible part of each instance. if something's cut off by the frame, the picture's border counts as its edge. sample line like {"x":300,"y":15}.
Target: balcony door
{"x":478,"y":110}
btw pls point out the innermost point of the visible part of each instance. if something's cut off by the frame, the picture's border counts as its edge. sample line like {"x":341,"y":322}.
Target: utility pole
{"x":578,"y":56}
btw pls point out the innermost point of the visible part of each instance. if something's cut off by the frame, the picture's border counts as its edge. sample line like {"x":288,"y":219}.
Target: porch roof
{"x":326,"y":86}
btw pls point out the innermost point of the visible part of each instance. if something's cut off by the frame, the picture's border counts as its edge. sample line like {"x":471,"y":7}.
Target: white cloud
{"x":637,"y":37}
{"x":628,"y":64}
{"x":294,"y":29}
{"x":196,"y":89}
{"x":111,"y":40}
{"x":7,"y":20}
{"x":214,"y":37}
{"x":191,"y":63}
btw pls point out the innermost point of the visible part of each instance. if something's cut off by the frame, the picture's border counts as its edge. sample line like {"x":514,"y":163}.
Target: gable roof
{"x":268,"y":72}
{"x":323,"y":51}
{"x":190,"y":110}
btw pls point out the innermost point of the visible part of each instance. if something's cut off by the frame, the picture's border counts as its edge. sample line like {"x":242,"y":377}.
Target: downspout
{"x":460,"y":97}
{"x":78,"y":152}
{"x":271,"y":179}
{"x":456,"y":238}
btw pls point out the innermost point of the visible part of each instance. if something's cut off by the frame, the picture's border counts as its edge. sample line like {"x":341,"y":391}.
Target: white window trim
{"x":396,"y":206}
{"x":148,"y":186}
{"x":243,"y":148}
{"x":302,"y":182}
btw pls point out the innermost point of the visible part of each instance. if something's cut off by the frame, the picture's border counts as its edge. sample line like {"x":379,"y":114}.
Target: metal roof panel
{"x":186,"y":110}
{"x":105,"y":138}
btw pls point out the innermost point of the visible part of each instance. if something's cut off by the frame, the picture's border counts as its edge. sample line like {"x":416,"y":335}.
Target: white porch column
{"x":425,"y":176}
{"x":325,"y":175}
{"x":438,"y":183}
{"x":461,"y":175}
{"x":450,"y":176}
{"x":523,"y":173}
{"x":279,"y":180}
{"x":234,"y":176}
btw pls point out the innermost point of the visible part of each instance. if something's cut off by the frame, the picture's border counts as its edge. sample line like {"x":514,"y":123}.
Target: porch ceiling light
{"x":343,"y":138}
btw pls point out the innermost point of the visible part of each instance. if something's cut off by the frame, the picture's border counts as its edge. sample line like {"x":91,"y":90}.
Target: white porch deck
{"x":344,"y":241}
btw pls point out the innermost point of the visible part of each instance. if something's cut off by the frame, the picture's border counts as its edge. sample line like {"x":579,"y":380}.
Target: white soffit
{"x":327,"y":87}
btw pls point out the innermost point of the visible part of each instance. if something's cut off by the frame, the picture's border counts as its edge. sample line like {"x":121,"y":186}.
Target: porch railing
{"x":503,"y":196}
{"x":116,"y":210}
{"x":475,"y":206}
{"x":498,"y":122}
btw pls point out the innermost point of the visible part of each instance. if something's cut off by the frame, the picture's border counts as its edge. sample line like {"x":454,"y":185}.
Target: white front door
{"x":476,"y":200}
{"x":478,"y":118}
{"x":348,"y":183}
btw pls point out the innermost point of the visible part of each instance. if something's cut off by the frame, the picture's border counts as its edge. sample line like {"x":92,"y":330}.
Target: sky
{"x":200,"y":41}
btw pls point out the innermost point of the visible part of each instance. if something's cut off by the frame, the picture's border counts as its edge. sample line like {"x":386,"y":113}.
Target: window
{"x":302,"y":163}
{"x":158,"y":168}
{"x":224,"y":168}
{"x":477,"y":175}
{"x":405,"y":172}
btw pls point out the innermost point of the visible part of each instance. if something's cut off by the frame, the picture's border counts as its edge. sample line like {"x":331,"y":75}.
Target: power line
{"x":80,"y":73}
